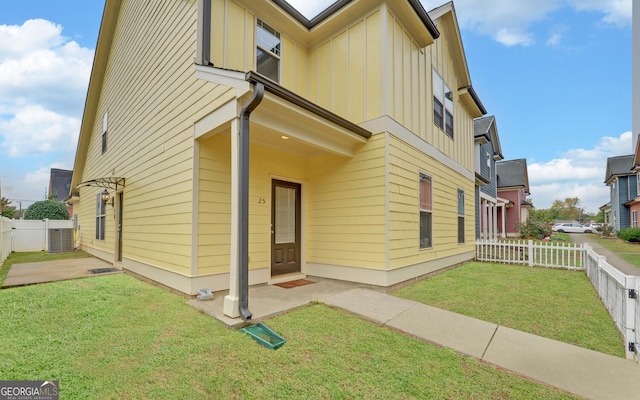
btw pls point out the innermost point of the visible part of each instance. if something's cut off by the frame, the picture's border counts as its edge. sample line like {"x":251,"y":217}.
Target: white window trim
{"x":268,"y":51}
{"x":421,"y":210}
{"x":101,"y":217}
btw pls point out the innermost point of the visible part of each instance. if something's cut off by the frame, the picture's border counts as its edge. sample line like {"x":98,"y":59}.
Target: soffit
{"x":307,"y":133}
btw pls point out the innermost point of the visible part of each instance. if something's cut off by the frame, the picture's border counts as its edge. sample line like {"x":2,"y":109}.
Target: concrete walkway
{"x":583,"y":372}
{"x":50,"y":271}
{"x":620,"y":264}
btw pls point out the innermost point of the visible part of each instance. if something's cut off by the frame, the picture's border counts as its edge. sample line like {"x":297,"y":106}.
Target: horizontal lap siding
{"x":346,"y":223}
{"x":152,"y":98}
{"x":406,"y":163}
{"x":214,"y":227}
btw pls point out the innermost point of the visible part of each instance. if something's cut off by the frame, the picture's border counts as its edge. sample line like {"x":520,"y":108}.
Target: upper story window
{"x":489,"y":165}
{"x":267,"y":51}
{"x":104,"y":132}
{"x":442,"y":104}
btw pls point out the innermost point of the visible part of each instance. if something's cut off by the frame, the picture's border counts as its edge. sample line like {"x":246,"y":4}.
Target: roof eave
{"x":105,"y":37}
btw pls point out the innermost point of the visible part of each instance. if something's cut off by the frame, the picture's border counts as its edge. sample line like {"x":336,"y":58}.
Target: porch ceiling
{"x":307,"y":132}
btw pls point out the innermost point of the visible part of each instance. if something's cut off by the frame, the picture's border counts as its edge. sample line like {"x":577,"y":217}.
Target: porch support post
{"x":494,"y":221}
{"x":231,"y":301}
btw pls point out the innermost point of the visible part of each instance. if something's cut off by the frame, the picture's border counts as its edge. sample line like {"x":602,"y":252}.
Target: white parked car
{"x":571,"y":227}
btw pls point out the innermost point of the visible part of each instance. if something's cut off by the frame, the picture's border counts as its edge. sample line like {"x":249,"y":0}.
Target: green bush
{"x":605,"y":230}
{"x":47,"y":209}
{"x":534,"y":228}
{"x":629,"y":234}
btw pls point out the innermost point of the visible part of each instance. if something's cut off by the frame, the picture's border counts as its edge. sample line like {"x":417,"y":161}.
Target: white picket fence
{"x":542,"y":254}
{"x":620,"y":293}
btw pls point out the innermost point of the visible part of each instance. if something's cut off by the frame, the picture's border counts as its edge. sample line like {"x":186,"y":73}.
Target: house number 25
{"x":261,"y":200}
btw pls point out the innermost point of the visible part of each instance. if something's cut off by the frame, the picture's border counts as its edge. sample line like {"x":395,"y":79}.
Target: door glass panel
{"x":285,"y":218}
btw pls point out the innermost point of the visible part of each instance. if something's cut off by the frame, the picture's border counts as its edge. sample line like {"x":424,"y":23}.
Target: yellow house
{"x":235,"y":142}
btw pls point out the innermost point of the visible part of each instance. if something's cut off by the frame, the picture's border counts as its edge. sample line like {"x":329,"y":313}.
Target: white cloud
{"x":512,"y":37}
{"x":30,"y":187}
{"x":33,"y":130}
{"x":579,"y":173}
{"x":617,"y":12}
{"x":40,"y":66}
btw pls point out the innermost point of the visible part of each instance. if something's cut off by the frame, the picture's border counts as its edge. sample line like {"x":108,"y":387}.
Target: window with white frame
{"x":442,"y":104}
{"x":426,"y":211}
{"x":460,"y":216}
{"x":489,"y":164}
{"x":634,"y":219}
{"x":101,"y":211}
{"x":104,"y":132}
{"x":267,"y":51}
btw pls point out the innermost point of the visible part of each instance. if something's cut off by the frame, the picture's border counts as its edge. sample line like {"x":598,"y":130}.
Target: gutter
{"x":243,"y":201}
{"x":289,"y":96}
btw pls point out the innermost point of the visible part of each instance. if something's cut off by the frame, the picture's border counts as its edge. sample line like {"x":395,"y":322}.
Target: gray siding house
{"x":487,"y":202}
{"x":623,"y":188}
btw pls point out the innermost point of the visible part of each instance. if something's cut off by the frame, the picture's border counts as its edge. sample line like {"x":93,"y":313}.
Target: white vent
{"x":60,"y":240}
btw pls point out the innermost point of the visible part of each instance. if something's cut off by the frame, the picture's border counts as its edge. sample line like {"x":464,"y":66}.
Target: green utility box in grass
{"x":265,"y":336}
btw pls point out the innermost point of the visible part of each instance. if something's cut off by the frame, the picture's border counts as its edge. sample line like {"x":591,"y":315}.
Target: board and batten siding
{"x":405,"y":164}
{"x":149,"y":139}
{"x":346,"y":204}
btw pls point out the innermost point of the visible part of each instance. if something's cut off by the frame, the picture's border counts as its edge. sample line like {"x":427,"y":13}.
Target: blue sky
{"x":555,"y":73}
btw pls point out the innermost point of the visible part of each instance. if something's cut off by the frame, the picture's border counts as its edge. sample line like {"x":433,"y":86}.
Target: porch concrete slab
{"x":266,"y":301}
{"x":50,"y":271}
{"x":370,"y":304}
{"x":580,"y":371}
{"x":464,"y":334}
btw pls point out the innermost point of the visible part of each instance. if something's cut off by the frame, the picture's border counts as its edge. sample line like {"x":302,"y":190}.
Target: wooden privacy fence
{"x":540,"y":254}
{"x":620,"y":293}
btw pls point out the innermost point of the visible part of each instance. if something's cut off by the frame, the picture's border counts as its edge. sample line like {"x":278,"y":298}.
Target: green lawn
{"x":556,"y":304}
{"x":115,"y":337}
{"x":35,"y":256}
{"x":630,"y":252}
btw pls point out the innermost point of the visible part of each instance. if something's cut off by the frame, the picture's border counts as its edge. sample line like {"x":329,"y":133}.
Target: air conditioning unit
{"x":60,"y":240}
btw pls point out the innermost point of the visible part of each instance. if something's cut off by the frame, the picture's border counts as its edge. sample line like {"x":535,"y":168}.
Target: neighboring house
{"x":487,"y":152}
{"x":239,"y":143}
{"x":513,"y":187}
{"x":59,"y":185}
{"x":623,"y":189}
{"x":606,"y":213}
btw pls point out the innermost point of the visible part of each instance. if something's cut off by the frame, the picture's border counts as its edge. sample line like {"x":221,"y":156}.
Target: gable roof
{"x":513,"y":173}
{"x":486,"y":129}
{"x":618,"y":166}
{"x":413,"y":12}
{"x":60,"y":183}
{"x":339,"y":4}
{"x":447,"y":14}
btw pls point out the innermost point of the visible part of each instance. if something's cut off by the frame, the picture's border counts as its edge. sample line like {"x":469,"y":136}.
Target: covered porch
{"x":265,"y":159}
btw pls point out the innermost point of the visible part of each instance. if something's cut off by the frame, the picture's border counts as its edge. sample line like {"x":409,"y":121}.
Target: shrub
{"x":47,"y":209}
{"x":629,"y":234}
{"x":606,"y":230}
{"x":534,"y":228}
